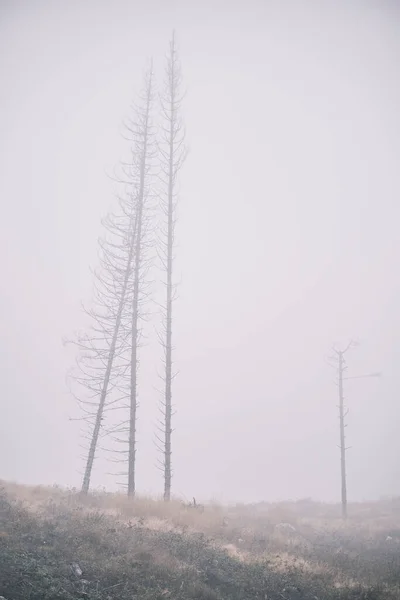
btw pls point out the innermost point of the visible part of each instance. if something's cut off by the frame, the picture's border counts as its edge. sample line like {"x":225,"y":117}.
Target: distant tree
{"x":172,"y":154}
{"x":108,"y":351}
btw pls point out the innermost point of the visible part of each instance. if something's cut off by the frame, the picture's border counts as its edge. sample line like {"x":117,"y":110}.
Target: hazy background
{"x":288,"y":236}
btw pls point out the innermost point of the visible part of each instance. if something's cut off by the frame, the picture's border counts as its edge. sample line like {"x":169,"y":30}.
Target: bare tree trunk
{"x":168,"y":343}
{"x":172,"y":156}
{"x":338,"y":360}
{"x":100,"y":347}
{"x":143,"y":171}
{"x":100,"y":410}
{"x":342,"y":437}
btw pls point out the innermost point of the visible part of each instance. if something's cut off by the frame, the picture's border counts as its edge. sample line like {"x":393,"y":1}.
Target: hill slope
{"x":59,"y":548}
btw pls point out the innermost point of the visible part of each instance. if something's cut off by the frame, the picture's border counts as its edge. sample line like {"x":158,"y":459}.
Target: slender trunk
{"x":342,"y":438}
{"x":133,"y":390}
{"x":172,"y":154}
{"x":168,"y":349}
{"x":110,"y":360}
{"x":135,"y":300}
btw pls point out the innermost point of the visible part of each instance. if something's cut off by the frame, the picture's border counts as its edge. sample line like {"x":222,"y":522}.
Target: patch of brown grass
{"x":229,"y":524}
{"x":350,"y":554}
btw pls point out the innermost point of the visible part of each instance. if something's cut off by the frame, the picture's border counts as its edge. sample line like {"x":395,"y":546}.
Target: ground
{"x":56,"y":545}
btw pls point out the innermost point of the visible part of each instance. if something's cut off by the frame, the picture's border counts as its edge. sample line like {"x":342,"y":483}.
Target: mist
{"x":287,"y":238}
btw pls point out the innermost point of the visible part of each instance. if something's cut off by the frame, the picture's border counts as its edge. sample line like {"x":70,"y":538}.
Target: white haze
{"x":287,"y":238}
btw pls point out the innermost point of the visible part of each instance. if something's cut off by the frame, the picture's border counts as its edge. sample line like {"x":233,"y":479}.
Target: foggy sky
{"x":287,"y":237}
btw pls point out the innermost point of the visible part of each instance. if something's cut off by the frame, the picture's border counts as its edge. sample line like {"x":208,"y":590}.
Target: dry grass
{"x":352,"y":555}
{"x":366,"y":521}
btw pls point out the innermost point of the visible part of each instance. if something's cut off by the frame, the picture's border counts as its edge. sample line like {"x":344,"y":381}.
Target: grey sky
{"x":288,"y":236}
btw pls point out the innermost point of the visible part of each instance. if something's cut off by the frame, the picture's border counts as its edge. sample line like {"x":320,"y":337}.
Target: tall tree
{"x":338,"y":359}
{"x":102,"y":363}
{"x":142,"y":133}
{"x":172,"y":154}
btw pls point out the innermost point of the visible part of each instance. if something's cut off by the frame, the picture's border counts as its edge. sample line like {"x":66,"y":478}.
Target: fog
{"x":287,"y":240}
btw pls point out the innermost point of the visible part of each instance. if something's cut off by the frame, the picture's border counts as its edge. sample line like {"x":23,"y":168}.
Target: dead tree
{"x":141,"y":134}
{"x":172,"y":154}
{"x":138,"y":175}
{"x":103,"y":363}
{"x":338,"y":359}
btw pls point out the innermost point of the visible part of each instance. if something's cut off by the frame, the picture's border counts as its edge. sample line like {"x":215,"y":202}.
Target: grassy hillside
{"x":53,"y":545}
